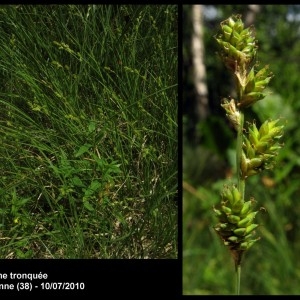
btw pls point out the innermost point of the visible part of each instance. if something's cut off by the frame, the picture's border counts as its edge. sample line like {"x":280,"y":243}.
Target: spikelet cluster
{"x":237,"y":44}
{"x":253,"y":86}
{"x":236,"y":225}
{"x":232,"y":113}
{"x":238,"y":50}
{"x":260,"y":148}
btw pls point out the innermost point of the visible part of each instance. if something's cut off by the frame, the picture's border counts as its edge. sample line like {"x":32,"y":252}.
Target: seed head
{"x":260,"y":148}
{"x":236,"y":225}
{"x":237,"y":44}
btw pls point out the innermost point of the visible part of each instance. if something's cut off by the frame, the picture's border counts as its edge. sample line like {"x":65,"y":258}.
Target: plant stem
{"x":239,"y":149}
{"x":241,"y":188}
{"x":238,"y":278}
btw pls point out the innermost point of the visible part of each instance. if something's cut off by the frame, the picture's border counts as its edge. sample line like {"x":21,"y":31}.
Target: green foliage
{"x":88,"y":131}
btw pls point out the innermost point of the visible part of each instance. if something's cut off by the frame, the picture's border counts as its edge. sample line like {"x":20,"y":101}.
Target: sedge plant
{"x":256,"y":147}
{"x":88,"y":145}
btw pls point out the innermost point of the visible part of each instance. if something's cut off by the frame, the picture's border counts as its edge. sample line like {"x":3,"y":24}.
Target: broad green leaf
{"x":76,"y":181}
{"x":94,"y":186}
{"x":83,"y":149}
{"x":88,"y":206}
{"x":92,"y":126}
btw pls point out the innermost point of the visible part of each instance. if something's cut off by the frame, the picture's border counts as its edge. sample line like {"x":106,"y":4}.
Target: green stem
{"x":239,"y":149}
{"x":241,"y":188}
{"x":238,"y":278}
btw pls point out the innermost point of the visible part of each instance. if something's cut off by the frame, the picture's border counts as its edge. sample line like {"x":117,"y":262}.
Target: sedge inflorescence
{"x":259,"y":146}
{"x":236,"y":218}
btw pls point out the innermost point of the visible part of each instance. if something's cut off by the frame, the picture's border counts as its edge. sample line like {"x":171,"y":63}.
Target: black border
{"x":136,"y":278}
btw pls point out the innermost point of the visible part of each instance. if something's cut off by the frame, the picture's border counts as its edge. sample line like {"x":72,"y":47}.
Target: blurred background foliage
{"x":271,"y":267}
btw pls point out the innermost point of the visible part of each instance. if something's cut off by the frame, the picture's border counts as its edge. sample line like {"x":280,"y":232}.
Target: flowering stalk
{"x":256,"y":149}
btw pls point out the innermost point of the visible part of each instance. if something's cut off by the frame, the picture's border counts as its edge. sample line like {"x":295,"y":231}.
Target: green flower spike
{"x":238,"y":51}
{"x":260,"y":148}
{"x":232,"y":113}
{"x":237,"y":45}
{"x":252,"y":89}
{"x":236,"y":225}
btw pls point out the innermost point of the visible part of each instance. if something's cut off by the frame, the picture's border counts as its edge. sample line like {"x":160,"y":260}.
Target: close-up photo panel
{"x":241,"y":149}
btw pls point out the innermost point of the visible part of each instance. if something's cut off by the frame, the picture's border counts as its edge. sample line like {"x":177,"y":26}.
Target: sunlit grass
{"x":88,"y":131}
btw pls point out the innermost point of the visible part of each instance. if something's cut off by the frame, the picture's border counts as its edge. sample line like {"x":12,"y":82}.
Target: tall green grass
{"x":88,"y":148}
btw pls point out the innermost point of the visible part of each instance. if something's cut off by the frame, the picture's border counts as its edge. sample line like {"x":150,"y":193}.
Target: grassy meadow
{"x":88,"y":126}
